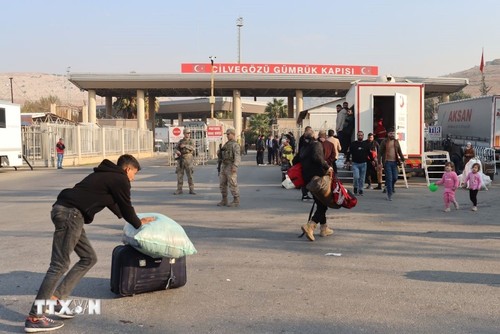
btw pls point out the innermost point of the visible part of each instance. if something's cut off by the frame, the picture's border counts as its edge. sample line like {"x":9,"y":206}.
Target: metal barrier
{"x":82,"y":141}
{"x":485,"y":154}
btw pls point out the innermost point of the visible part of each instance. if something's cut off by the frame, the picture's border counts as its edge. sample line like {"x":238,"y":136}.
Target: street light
{"x":239,"y":24}
{"x":212,"y":97}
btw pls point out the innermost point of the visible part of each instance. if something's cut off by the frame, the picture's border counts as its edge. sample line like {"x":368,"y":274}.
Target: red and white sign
{"x":214,"y":132}
{"x":298,"y":69}
{"x":175,"y":134}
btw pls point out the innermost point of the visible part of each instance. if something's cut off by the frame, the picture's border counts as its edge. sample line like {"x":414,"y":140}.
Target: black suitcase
{"x":133,"y":272}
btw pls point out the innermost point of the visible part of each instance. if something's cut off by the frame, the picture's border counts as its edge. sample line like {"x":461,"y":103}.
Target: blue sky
{"x":403,"y":38}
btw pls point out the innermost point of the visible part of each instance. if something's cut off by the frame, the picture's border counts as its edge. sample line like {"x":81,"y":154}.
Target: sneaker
{"x":447,"y":210}
{"x":389,"y":198}
{"x":379,"y":187}
{"x":305,"y":198}
{"x":62,"y":315}
{"x":369,"y":186}
{"x":360,"y":193}
{"x":474,"y":208}
{"x":456,"y":205}
{"x":41,"y":324}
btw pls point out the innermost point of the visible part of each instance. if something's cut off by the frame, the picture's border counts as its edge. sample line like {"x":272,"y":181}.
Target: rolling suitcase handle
{"x":171,"y":278}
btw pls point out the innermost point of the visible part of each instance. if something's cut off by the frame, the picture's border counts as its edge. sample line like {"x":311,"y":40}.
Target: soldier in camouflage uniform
{"x":230,"y":155}
{"x":184,"y":156}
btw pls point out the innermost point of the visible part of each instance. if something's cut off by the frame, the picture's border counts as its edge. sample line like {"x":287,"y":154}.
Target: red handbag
{"x":295,"y":175}
{"x":341,"y":195}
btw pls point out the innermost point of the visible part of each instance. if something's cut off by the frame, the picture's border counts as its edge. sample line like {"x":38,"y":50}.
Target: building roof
{"x":251,"y":85}
{"x":200,"y":108}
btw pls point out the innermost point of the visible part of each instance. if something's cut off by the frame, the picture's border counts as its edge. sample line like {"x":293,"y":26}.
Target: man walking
{"x":359,"y":150}
{"x":371,"y":164}
{"x":185,"y":160}
{"x":230,"y":162}
{"x":336,"y":146}
{"x":390,"y":156}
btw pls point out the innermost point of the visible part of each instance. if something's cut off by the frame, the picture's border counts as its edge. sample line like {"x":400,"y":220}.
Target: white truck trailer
{"x":475,"y":120}
{"x":11,"y":149}
{"x":400,"y":106}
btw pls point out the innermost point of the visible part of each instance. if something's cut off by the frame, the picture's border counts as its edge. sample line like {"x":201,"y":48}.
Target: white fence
{"x":85,"y":143}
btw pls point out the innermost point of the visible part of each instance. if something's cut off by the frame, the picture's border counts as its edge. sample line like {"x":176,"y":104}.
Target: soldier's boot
{"x":308,"y":229}
{"x":325,"y":231}
{"x":235,"y":203}
{"x":223,"y":202}
{"x":191,"y":191}
{"x":178,"y":192}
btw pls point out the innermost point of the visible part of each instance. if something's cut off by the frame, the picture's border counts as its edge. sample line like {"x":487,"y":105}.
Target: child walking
{"x":450,"y":182}
{"x":475,"y":183}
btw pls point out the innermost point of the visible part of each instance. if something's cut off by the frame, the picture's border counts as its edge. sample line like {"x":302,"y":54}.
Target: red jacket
{"x":60,"y":147}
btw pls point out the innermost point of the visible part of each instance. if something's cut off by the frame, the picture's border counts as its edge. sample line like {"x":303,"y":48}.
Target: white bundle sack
{"x":162,"y":237}
{"x":468,"y":167}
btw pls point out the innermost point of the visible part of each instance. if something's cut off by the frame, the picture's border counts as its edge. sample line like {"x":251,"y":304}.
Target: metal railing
{"x":81,"y":141}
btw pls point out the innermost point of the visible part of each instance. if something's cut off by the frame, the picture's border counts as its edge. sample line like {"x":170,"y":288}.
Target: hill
{"x":33,"y":86}
{"x":491,"y":74}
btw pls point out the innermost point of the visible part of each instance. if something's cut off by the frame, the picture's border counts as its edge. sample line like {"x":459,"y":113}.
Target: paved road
{"x":405,"y":266}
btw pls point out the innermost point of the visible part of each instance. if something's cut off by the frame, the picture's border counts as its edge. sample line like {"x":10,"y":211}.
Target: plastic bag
{"x":287,"y":183}
{"x":160,"y":238}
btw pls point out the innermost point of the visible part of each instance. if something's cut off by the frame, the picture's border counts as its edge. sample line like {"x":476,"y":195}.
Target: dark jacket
{"x":108,"y":186}
{"x":359,"y":151}
{"x":312,"y":159}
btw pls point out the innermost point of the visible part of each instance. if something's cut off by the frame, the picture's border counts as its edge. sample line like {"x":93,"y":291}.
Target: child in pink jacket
{"x":450,"y":182}
{"x":475,"y":183}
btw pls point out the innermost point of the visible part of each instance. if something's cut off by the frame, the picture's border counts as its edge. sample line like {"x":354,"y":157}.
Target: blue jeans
{"x":391,"y":176}
{"x":69,"y":236}
{"x":358,"y":175}
{"x":60,"y":157}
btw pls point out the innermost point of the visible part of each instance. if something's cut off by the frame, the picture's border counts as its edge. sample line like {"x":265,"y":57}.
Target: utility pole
{"x":239,"y":24}
{"x":212,"y":97}
{"x":11,"y":91}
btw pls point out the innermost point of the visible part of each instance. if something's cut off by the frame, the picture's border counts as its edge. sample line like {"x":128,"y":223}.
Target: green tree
{"x":41,"y":105}
{"x":276,"y":109}
{"x":431,"y":104}
{"x":259,"y":124}
{"x":458,"y":96}
{"x":126,"y":107}
{"x":483,"y":88}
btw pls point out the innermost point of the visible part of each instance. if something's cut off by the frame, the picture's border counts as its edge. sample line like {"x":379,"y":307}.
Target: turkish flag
{"x":481,"y":66}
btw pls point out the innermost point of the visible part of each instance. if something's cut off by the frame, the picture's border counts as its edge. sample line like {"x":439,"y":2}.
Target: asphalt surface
{"x":404,"y":267}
